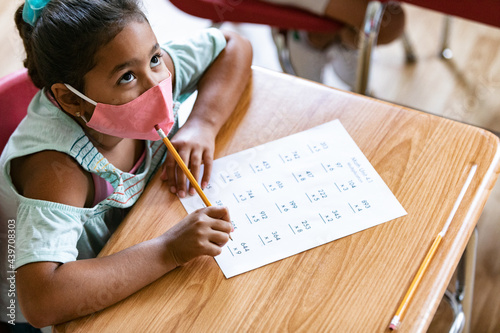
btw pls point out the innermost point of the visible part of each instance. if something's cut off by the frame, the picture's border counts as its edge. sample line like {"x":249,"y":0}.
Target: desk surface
{"x":352,"y":284}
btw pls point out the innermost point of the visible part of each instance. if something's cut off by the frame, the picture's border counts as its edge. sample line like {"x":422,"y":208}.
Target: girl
{"x":76,"y":163}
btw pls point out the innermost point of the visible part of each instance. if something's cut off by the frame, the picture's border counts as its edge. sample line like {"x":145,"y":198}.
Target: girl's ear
{"x":70,"y":103}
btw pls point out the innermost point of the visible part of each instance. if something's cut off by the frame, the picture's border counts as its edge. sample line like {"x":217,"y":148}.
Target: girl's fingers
{"x":169,"y":165}
{"x":222,"y":226}
{"x":207,"y":162}
{"x":194,"y":167}
{"x":181,"y":177}
{"x":219,"y":238}
{"x":218,"y":213}
{"x":213,"y":250}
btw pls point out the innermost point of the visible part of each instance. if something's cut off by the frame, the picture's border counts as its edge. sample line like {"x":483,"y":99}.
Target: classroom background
{"x":465,"y":88}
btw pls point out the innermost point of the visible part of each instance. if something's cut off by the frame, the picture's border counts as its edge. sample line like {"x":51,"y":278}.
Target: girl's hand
{"x":195,"y":145}
{"x":219,"y":90}
{"x":202,"y":232}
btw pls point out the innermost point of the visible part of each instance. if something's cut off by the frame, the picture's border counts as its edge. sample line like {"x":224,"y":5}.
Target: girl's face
{"x":126,"y":67}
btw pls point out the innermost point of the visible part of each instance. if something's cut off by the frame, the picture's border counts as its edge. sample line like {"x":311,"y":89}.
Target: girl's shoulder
{"x":52,"y":176}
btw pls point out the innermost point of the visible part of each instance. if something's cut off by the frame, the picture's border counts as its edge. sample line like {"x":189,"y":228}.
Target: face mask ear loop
{"x":82,"y":96}
{"x":79,"y":94}
{"x":83,"y":117}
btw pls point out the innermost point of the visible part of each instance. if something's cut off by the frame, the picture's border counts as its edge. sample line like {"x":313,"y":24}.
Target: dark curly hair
{"x":61,"y":46}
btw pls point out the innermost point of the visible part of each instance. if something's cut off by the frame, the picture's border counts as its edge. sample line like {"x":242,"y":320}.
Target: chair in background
{"x":282,"y":18}
{"x":482,"y":11}
{"x":16,"y":92}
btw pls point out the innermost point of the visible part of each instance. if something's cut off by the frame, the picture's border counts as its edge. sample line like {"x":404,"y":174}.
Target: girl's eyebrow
{"x":131,"y":62}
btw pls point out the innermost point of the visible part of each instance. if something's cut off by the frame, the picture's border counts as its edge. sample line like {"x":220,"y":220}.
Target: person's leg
{"x":311,"y":51}
{"x":343,"y":56}
{"x":352,"y":13}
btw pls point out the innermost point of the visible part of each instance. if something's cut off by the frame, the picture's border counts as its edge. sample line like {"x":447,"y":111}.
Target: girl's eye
{"x":156,"y":60}
{"x":126,"y":78}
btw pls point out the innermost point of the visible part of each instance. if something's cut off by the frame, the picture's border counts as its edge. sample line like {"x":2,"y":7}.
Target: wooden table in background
{"x":353,"y":284}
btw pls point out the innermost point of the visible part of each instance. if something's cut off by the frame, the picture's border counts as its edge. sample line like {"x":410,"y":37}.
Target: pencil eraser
{"x":157,"y":127}
{"x":394,"y":323}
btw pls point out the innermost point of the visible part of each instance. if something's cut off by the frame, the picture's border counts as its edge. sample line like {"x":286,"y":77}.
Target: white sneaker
{"x":307,"y":61}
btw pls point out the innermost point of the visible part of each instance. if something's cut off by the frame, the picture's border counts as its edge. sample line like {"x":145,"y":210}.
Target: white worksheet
{"x":293,"y":194}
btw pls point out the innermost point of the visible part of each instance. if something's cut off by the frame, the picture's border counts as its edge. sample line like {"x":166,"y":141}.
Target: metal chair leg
{"x":459,"y":316}
{"x":461,"y":300}
{"x":446,"y":52}
{"x":367,"y":41}
{"x":409,"y":50}
{"x":280,"y":40}
{"x":465,"y":281}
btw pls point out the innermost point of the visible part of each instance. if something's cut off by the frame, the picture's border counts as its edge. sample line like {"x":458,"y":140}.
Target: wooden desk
{"x":353,"y":284}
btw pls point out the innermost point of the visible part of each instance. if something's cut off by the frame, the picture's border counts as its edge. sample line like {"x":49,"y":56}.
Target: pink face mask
{"x":137,"y":118}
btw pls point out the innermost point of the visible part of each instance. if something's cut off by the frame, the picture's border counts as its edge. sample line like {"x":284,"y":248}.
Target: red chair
{"x":16,"y":92}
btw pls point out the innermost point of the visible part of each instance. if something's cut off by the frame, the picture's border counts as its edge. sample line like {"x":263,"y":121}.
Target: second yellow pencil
{"x":396,"y":321}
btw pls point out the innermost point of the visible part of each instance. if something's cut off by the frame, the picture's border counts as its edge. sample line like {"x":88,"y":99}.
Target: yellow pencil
{"x":183,"y":166}
{"x":396,"y":321}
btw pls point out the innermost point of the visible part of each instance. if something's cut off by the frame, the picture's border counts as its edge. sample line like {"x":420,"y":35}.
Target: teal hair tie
{"x":32,"y":10}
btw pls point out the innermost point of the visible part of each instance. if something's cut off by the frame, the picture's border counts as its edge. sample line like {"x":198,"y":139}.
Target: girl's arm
{"x":51,"y":293}
{"x":219,"y":91}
